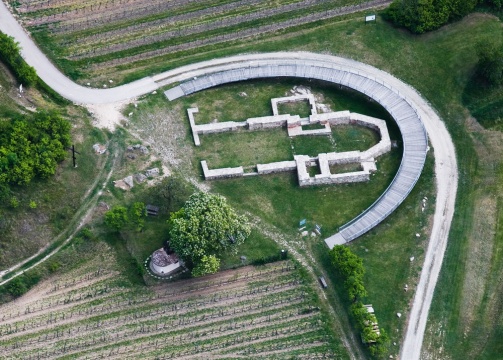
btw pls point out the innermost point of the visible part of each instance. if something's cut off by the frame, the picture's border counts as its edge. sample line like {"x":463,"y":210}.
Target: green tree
{"x":31,"y":146}
{"x":138,"y":213}
{"x":350,"y":266}
{"x":490,"y":64}
{"x":16,"y":287}
{"x":420,"y":16}
{"x":209,"y":264}
{"x":117,"y":218}
{"x":10,"y":54}
{"x":174,"y":191}
{"x":497,"y":4}
{"x":206,"y":225}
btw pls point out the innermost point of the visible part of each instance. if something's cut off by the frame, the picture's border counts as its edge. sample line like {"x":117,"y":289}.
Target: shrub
{"x":14,"y":202}
{"x":420,"y":16}
{"x":490,"y":64}
{"x":117,"y":218}
{"x":10,"y":54}
{"x":16,"y":287}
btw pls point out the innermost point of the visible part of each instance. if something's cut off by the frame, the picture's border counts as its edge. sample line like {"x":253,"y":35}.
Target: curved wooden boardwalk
{"x":415,"y":141}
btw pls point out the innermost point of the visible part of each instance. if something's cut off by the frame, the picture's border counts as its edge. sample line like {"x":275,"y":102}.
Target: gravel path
{"x":445,"y":164}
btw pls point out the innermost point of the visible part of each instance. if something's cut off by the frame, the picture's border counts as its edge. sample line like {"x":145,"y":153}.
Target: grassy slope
{"x":24,"y":230}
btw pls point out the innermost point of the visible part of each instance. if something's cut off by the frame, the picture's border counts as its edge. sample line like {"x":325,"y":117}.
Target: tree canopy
{"x":490,"y":64}
{"x":203,"y":229}
{"x":117,"y":218}
{"x":31,"y":146}
{"x":420,"y":16}
{"x":10,"y":54}
{"x":350,"y":266}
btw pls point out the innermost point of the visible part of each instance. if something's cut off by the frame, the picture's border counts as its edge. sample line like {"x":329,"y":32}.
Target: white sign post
{"x":370,"y":18}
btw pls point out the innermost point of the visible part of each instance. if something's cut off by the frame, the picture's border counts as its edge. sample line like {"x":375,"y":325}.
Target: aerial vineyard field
{"x":267,"y":312}
{"x":96,"y":35}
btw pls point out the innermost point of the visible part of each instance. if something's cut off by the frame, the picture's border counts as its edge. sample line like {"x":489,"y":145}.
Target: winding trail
{"x":445,"y":164}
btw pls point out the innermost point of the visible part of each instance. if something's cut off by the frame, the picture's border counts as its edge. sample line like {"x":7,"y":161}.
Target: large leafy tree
{"x":32,"y":145}
{"x":420,"y":16}
{"x":117,"y":218}
{"x":203,"y":229}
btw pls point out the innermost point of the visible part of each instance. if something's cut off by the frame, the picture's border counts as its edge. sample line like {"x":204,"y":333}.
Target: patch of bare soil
{"x":166,"y":134}
{"x":263,"y":308}
{"x":108,"y":116}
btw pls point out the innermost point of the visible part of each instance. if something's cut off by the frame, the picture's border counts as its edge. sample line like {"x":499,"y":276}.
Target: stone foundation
{"x":301,"y":162}
{"x":221,"y":173}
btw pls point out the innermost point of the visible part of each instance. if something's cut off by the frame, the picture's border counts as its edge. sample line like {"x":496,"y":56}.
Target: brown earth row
{"x":93,"y":48}
{"x":238,"y":35}
{"x":127,"y":305}
{"x":105,"y":339}
{"x":109,"y":323}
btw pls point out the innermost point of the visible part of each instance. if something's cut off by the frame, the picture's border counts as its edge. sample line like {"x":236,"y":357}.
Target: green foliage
{"x":206,"y":226}
{"x":209,"y":264}
{"x":53,"y":266}
{"x":11,"y":56}
{"x":174,"y":191}
{"x":420,"y":16}
{"x":350,"y":267}
{"x":497,"y":4}
{"x":490,"y":64}
{"x":86,"y":234}
{"x":137,"y":214}
{"x":16,"y":287}
{"x":117,"y":218}
{"x":14,"y":202}
{"x":21,"y":284}
{"x":31,"y":146}
{"x":33,"y":204}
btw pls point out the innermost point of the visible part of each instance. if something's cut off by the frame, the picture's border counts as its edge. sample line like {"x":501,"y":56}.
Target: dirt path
{"x":81,"y":217}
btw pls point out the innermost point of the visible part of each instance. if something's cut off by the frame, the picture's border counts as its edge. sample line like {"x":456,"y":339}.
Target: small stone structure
{"x":129,"y":181}
{"x":99,"y":149}
{"x":139,"y":178}
{"x":294,"y":124}
{"x":375,"y":325}
{"x":152,"y":172}
{"x":164,"y":264}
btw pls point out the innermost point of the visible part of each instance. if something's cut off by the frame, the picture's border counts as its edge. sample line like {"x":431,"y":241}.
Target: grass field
{"x":277,"y":199}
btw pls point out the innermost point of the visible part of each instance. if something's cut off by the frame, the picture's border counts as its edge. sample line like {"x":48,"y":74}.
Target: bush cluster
{"x":350,"y":267}
{"x":31,"y":146}
{"x":120,"y":218}
{"x":420,"y":16}
{"x":490,"y":65}
{"x":10,"y":54}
